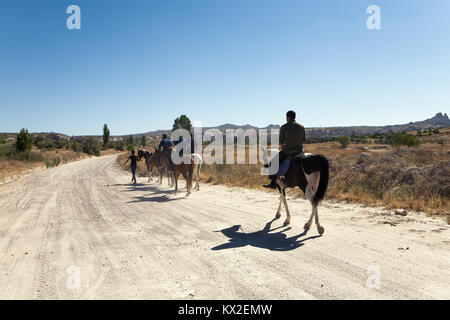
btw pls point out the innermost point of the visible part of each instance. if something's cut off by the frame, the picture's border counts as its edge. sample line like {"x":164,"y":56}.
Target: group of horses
{"x":160,"y":160}
{"x":307,"y":171}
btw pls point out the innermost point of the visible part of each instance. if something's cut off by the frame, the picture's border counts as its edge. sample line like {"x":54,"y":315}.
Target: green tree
{"x":106,"y":135}
{"x":91,"y":146}
{"x":2,"y":138}
{"x":130,"y":140}
{"x":143,"y":141}
{"x":182,"y":122}
{"x":24,"y":141}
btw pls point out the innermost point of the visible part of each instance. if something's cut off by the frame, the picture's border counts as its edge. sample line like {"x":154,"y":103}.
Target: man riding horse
{"x":166,"y":146}
{"x":292,"y":137}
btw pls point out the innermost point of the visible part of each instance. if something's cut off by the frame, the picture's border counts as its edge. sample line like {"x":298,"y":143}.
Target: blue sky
{"x":137,"y":65}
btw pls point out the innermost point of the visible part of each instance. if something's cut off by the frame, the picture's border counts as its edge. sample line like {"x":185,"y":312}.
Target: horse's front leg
{"x":175,"y":177}
{"x":288,"y":218}
{"x":160,"y":175}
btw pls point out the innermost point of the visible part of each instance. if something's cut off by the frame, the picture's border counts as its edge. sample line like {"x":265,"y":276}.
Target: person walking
{"x":134,"y":159}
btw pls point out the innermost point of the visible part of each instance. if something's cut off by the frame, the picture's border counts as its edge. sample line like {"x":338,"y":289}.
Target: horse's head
{"x":141,"y":153}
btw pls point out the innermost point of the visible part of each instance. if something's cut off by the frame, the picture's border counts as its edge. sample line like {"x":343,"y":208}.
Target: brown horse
{"x":185,"y":169}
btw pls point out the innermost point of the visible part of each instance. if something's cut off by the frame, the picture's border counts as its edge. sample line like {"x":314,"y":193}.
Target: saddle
{"x":286,"y":164}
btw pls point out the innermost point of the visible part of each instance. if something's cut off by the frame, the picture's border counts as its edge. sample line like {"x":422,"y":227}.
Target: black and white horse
{"x":308,"y":172}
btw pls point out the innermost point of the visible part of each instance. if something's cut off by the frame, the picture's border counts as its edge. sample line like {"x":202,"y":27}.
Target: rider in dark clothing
{"x":292,"y":137}
{"x":164,"y":146}
{"x":133,"y":165}
{"x":165,"y":143}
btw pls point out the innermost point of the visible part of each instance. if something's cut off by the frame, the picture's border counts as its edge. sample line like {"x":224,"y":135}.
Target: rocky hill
{"x":438,"y":121}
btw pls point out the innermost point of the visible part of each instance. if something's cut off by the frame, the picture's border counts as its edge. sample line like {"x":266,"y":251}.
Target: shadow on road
{"x":161,"y":198}
{"x":124,"y":184}
{"x":145,"y":187}
{"x":277,"y":241}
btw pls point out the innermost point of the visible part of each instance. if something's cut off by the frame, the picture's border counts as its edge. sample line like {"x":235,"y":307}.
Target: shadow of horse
{"x":144,"y":187}
{"x":277,"y":241}
{"x":162,"y":198}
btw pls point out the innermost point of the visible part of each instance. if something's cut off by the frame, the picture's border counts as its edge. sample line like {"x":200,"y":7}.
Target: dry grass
{"x":411,"y":178}
{"x":11,"y":168}
{"x":416,"y":178}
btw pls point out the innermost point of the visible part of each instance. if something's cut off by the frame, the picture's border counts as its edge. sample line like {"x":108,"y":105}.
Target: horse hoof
{"x":320,"y":229}
{"x":286,"y":223}
{"x":306,"y":227}
{"x":278,"y":216}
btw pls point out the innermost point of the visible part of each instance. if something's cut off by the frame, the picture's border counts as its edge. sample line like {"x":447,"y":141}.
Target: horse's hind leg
{"x":278,"y":215}
{"x":197,"y":174}
{"x":308,"y":224}
{"x":320,"y":229}
{"x":186,"y":177}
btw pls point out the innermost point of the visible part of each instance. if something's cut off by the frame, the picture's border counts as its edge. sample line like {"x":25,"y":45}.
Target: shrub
{"x":402,"y":139}
{"x":62,"y":144}
{"x":344,"y":142}
{"x":2,"y":138}
{"x":120,"y":145}
{"x":6,"y":151}
{"x":44,"y":143}
{"x":109,"y":145}
{"x":9,"y":152}
{"x":130,"y":147}
{"x":77,"y":146}
{"x":52,"y":163}
{"x":24,"y":141}
{"x":91,"y":147}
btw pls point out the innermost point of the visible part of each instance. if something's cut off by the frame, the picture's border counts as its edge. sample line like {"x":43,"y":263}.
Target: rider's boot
{"x":272,"y":184}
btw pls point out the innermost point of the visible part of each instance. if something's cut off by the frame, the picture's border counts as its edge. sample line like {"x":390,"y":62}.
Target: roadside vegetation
{"x":404,"y":170}
{"x":24,"y":151}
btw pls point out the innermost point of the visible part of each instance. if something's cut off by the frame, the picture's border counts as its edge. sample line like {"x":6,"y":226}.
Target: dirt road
{"x":80,"y":231}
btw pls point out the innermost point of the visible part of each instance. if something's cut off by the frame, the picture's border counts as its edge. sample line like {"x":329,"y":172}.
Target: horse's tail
{"x":324,"y":176}
{"x":190,"y":173}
